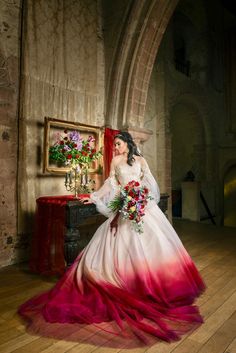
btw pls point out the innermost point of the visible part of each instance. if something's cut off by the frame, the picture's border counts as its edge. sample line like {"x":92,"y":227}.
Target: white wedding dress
{"x":143,"y":283}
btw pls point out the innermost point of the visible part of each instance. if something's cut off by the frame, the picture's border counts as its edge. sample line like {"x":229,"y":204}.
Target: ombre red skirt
{"x":138,"y":284}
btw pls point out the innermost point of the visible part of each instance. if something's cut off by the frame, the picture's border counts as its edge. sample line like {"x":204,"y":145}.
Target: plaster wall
{"x":63,"y":78}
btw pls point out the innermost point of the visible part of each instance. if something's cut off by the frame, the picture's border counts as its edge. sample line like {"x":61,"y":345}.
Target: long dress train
{"x":144,"y":283}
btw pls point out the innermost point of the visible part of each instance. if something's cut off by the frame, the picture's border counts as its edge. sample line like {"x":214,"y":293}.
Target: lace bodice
{"x":120,"y":175}
{"x":125,"y":173}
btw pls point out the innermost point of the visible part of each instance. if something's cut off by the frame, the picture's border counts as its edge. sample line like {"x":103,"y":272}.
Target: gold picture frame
{"x":53,"y":126}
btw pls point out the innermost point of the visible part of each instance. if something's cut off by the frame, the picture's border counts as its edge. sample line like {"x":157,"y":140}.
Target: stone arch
{"x":199,"y":103}
{"x":132,"y":70}
{"x":229,"y":164}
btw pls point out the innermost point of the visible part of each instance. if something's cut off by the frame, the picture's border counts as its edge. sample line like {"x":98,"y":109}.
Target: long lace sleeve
{"x":106,"y":193}
{"x":149,"y":181}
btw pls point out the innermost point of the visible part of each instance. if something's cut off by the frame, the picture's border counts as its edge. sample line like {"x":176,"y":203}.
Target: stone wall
{"x":191,"y":119}
{"x":62,"y":77}
{"x":157,"y":149}
{"x":9,"y":83}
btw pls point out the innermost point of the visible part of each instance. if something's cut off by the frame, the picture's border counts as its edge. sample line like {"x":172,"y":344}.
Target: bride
{"x":142,"y":283}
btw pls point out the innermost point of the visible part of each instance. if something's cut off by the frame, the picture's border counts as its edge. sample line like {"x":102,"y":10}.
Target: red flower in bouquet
{"x":131,"y":203}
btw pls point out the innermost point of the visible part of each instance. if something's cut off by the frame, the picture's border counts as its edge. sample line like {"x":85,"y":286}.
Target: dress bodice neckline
{"x":125,"y":172}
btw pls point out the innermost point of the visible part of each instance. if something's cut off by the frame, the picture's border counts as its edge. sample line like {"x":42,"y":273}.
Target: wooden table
{"x":63,"y":227}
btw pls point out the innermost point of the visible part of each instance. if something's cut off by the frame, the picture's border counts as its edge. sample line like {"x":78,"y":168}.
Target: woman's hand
{"x":84,"y":199}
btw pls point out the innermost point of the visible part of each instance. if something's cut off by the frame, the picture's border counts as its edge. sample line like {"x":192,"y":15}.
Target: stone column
{"x":140,"y":135}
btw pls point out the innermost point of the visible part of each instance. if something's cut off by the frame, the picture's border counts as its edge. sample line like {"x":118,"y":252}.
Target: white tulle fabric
{"x":119,"y":176}
{"x":111,"y":258}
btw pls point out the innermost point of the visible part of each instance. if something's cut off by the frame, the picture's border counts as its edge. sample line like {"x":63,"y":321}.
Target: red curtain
{"x":108,"y":148}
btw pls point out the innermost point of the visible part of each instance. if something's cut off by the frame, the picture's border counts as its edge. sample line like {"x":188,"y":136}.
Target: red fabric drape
{"x":47,"y":248}
{"x":108,"y":148}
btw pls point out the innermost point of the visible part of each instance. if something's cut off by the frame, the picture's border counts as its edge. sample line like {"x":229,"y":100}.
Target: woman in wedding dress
{"x":144,"y":284}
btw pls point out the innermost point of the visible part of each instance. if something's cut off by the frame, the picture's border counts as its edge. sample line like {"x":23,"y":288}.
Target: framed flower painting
{"x":68,"y":144}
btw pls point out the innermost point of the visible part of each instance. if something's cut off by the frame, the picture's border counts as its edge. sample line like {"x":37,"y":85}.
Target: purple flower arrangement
{"x":71,"y":149}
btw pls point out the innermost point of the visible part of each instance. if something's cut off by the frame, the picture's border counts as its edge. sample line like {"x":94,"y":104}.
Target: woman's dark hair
{"x":133,"y":150}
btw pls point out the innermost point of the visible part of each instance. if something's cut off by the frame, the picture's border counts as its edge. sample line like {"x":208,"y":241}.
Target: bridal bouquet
{"x":131,"y":202}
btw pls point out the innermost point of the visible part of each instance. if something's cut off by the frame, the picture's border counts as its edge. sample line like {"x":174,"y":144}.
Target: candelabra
{"x":77,"y":180}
